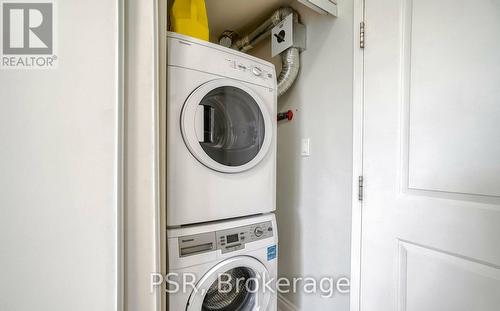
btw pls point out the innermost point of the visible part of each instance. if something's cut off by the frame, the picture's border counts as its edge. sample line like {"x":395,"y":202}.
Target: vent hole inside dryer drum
{"x":234,"y":130}
{"x":234,"y":297}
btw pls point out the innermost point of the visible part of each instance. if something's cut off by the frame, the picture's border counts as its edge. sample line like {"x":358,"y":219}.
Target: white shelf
{"x":323,"y":7}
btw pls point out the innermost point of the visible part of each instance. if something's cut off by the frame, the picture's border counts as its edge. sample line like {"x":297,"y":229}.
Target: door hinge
{"x":360,"y":188}
{"x":362,"y":26}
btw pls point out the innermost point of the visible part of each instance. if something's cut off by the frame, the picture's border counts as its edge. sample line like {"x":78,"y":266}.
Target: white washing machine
{"x":221,"y":133}
{"x":241,"y":253}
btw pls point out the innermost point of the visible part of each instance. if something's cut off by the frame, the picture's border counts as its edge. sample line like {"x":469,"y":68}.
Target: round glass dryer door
{"x":232,"y":285}
{"x":226,"y":126}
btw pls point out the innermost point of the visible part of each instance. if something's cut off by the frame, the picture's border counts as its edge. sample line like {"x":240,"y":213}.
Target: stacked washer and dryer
{"x":221,"y":176}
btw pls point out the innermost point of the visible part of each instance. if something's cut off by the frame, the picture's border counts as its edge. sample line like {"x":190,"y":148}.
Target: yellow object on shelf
{"x":189,"y":17}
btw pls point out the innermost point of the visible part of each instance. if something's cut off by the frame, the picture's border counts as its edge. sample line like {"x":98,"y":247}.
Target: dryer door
{"x":226,"y":126}
{"x":235,"y":284}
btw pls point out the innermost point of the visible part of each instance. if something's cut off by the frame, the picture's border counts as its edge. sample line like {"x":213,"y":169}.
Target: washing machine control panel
{"x":235,"y":239}
{"x":228,"y":240}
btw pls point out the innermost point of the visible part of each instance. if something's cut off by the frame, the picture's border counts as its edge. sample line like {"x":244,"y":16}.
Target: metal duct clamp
{"x":227,"y":38}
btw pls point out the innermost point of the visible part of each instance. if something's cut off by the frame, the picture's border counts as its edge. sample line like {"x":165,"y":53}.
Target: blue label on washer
{"x":271,"y":253}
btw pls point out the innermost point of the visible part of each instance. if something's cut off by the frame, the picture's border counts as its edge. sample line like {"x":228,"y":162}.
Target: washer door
{"x":245,"y":274}
{"x":226,"y":126}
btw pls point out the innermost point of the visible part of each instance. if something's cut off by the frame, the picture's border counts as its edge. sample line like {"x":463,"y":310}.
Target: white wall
{"x":314,"y":193}
{"x":60,"y":179}
{"x":142,"y":217}
{"x":60,"y":160}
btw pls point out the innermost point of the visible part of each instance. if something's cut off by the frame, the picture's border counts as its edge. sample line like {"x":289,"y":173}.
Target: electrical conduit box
{"x":288,"y":34}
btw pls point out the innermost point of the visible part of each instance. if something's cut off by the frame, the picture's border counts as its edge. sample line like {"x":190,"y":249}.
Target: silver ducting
{"x":262,"y":31}
{"x":290,"y":58}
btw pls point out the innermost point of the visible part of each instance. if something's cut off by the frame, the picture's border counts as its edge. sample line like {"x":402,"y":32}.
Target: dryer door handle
{"x":205,"y":123}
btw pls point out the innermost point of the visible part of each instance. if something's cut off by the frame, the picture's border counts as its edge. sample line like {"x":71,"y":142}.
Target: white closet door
{"x":431,"y":210}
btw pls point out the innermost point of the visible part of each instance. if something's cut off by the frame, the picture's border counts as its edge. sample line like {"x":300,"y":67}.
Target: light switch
{"x":305,"y":147}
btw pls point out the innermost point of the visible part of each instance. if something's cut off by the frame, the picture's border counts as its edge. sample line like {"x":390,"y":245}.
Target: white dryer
{"x":221,"y":133}
{"x":241,"y":253}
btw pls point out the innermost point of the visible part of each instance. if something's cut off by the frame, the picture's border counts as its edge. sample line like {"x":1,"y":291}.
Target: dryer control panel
{"x":228,"y":240}
{"x":250,"y":68}
{"x":191,"y":53}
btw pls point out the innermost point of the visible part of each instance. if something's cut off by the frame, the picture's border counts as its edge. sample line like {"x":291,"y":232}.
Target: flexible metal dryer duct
{"x":290,"y":58}
{"x":290,"y":67}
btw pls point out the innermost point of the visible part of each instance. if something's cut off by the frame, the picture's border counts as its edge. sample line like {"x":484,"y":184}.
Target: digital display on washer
{"x":232,"y":238}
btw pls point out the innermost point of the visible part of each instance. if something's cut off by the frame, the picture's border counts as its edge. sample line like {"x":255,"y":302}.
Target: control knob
{"x":257,"y":71}
{"x":258,"y":232}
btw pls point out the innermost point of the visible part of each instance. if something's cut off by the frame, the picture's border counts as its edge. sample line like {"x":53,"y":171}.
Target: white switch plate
{"x":305,"y":147}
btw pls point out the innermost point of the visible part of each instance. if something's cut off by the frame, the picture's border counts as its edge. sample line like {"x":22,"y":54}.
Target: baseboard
{"x":285,"y":305}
